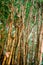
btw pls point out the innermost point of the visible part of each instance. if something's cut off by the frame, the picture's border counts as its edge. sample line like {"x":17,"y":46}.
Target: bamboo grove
{"x":21,"y":32}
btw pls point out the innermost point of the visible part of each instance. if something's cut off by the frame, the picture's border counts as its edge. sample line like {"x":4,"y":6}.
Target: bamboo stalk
{"x":41,"y":46}
{"x":10,"y":29}
{"x":19,"y":48}
{"x":40,"y":30}
{"x":11,"y":51}
{"x":23,"y":20}
{"x":19,"y":40}
{"x":13,"y":57}
{"x":8,"y":42}
{"x":39,"y":26}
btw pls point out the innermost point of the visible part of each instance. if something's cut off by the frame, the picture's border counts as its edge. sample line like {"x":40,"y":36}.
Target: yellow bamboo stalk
{"x":40,"y":35}
{"x":23,"y":18}
{"x":9,"y":38}
{"x":41,"y":46}
{"x":13,"y":57}
{"x":11,"y":51}
{"x":18,"y":47}
{"x":8,"y":42}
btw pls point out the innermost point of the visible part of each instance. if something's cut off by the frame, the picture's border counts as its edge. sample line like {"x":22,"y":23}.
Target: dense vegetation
{"x":21,"y":32}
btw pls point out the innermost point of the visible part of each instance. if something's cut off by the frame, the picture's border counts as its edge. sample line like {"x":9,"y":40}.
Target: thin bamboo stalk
{"x":23,"y":20}
{"x":11,"y":51}
{"x":13,"y":57}
{"x":9,"y":38}
{"x":8,"y":42}
{"x":19,"y":48}
{"x":39,"y":26}
{"x":19,"y":40}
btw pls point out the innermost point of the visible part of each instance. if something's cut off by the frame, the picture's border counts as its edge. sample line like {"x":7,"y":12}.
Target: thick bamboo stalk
{"x":40,"y":41}
{"x":41,"y":46}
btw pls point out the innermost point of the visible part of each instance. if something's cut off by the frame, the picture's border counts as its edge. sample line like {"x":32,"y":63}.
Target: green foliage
{"x":23,"y":2}
{"x":1,"y":27}
{"x":28,"y":5}
{"x":15,"y":16}
{"x":40,"y":1}
{"x":4,"y":10}
{"x":18,"y":6}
